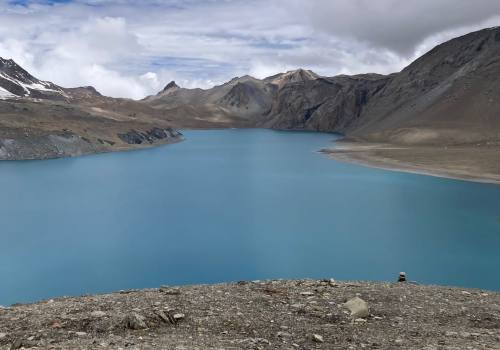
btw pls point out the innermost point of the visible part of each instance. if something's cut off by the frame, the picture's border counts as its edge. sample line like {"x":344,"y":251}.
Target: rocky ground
{"x":301,"y":314}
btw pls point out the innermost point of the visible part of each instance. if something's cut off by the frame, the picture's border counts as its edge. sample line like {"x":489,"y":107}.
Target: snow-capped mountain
{"x":17,"y":82}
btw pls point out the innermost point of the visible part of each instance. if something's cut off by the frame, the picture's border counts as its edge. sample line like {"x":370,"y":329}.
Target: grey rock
{"x":97,"y":314}
{"x":318,"y":338}
{"x":358,"y":308}
{"x":179,"y":316}
{"x":135,"y":321}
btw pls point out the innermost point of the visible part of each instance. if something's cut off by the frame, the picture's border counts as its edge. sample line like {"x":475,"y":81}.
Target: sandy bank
{"x":478,"y":164}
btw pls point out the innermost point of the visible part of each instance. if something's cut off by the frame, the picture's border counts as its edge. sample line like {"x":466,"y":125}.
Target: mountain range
{"x":446,"y":98}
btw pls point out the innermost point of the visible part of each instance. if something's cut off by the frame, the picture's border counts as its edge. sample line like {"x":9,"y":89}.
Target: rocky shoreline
{"x":302,"y":314}
{"x":68,"y":144}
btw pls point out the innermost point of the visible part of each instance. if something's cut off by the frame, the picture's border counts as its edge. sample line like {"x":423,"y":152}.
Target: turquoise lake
{"x":233,"y":205}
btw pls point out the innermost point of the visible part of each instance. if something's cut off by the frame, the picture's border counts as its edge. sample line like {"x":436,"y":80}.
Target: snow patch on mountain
{"x":4,"y":94}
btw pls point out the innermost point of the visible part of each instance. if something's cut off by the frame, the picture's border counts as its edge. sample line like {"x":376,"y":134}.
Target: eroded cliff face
{"x":324,"y":104}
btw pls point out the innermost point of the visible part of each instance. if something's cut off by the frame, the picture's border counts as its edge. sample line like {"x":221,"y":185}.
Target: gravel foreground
{"x":302,"y":314}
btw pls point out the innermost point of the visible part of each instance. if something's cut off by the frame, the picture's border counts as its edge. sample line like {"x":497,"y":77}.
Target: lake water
{"x":236,"y":205}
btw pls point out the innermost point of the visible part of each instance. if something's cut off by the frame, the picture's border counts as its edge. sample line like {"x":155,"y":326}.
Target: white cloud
{"x":130,"y":49}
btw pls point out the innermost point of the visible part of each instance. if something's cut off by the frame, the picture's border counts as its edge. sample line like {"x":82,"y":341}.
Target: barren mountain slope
{"x":448,"y":96}
{"x":39,"y":119}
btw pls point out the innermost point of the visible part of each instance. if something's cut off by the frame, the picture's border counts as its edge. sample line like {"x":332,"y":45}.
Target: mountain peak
{"x":17,"y":81}
{"x":170,"y":86}
{"x":292,"y":76}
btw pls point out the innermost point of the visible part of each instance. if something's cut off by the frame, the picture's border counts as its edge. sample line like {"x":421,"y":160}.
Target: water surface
{"x":236,"y":205}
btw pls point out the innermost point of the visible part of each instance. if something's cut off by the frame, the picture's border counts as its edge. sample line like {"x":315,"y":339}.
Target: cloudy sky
{"x":129,"y":48}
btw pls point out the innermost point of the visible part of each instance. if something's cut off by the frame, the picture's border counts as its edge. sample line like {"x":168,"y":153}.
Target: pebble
{"x":98,"y":314}
{"x":318,"y":338}
{"x":283,"y":335}
{"x":179,"y":316}
{"x":169,"y":290}
{"x":81,"y":334}
{"x":3,"y":335}
{"x":358,"y":307}
{"x":306,"y":294}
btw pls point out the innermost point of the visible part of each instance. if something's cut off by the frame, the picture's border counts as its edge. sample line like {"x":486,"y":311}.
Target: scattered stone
{"x":358,"y":308}
{"x":20,"y":343}
{"x":135,"y":321}
{"x":178,"y":317}
{"x":98,"y":314}
{"x":81,"y":334}
{"x":170,"y":291}
{"x":318,"y":338}
{"x":165,"y":318}
{"x":3,"y":335}
{"x":450,"y":334}
{"x":307,"y":294}
{"x":283,"y":335}
{"x":17,"y":344}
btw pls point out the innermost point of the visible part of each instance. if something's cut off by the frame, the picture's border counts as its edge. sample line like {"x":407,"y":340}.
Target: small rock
{"x":178,"y":317}
{"x":165,"y":318}
{"x":306,"y":294}
{"x":135,"y":321}
{"x":283,"y":335}
{"x":81,"y":334}
{"x":358,"y":308}
{"x":169,"y":290}
{"x":450,"y":334}
{"x":3,"y":335}
{"x":17,"y":344}
{"x":318,"y":338}
{"x":98,"y":314}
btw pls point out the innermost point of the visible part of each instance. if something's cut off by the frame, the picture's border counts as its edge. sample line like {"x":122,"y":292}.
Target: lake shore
{"x":300,"y":314}
{"x":477,"y":164}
